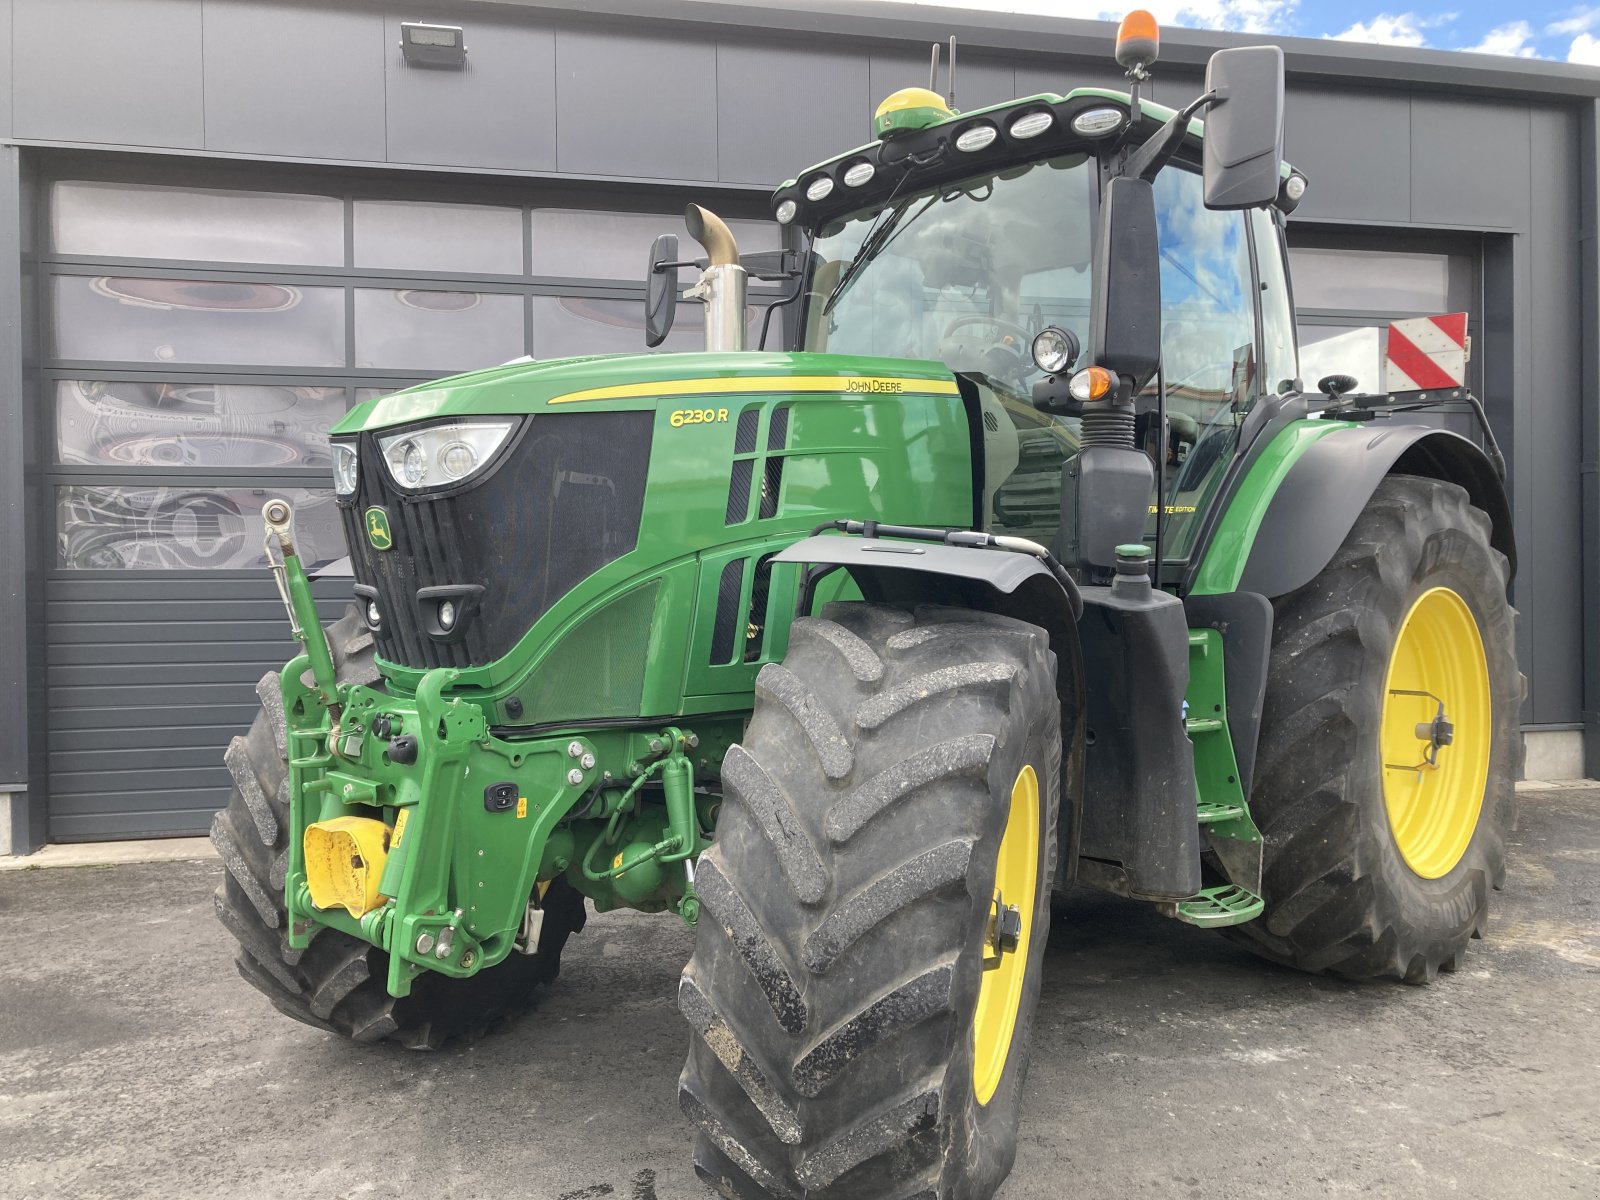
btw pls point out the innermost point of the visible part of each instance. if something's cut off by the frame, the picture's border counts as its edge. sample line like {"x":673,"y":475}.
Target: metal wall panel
{"x":149,"y":680}
{"x":498,"y":112}
{"x":107,"y":71}
{"x":783,"y":108}
{"x":1450,"y":141}
{"x":1071,"y":73}
{"x":13,"y":499}
{"x":636,"y":105}
{"x":294,"y":80}
{"x":9,"y":81}
{"x":1363,"y":176}
{"x":1551,"y":490}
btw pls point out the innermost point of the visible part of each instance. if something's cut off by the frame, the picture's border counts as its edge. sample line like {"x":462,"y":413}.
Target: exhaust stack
{"x":722,"y":284}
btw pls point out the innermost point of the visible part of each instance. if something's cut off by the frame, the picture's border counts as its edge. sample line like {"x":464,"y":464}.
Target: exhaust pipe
{"x":722,"y":284}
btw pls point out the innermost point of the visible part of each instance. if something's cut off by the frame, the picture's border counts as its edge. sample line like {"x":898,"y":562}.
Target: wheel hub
{"x":1436,"y":729}
{"x":1006,"y":938}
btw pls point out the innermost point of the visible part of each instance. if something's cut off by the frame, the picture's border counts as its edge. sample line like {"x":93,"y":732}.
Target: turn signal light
{"x":1092,"y":383}
{"x":1138,"y":42}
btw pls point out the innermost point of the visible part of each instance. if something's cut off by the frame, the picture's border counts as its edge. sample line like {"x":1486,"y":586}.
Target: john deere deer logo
{"x":378,"y":529}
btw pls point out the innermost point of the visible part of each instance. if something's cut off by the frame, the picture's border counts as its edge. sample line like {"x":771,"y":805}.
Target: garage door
{"x":202,"y":334}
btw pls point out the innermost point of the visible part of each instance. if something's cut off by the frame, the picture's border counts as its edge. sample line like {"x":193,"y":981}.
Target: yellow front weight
{"x":344,"y":863}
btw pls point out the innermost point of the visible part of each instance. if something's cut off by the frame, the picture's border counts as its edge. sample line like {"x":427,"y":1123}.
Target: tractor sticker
{"x":378,"y":528}
{"x":698,"y":416}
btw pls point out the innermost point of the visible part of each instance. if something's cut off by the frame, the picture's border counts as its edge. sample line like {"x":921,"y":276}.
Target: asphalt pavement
{"x":135,"y":1063}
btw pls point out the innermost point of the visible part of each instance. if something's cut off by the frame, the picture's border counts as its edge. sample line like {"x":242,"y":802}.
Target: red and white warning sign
{"x":1427,"y":354}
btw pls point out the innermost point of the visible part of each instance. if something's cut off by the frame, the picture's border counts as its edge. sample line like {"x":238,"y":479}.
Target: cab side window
{"x":1208,"y":350}
{"x":1208,"y":329}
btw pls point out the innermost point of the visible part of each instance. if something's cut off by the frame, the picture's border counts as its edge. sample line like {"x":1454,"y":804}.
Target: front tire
{"x":339,"y":983}
{"x":898,"y":771}
{"x":1372,"y":869}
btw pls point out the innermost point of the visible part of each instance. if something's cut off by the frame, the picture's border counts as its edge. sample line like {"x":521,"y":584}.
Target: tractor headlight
{"x":443,"y":454}
{"x":1054,"y":349}
{"x":344,"y":468}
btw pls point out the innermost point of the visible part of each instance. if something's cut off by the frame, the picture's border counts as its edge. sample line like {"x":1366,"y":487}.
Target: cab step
{"x":1218,"y":906}
{"x":1212,"y":811}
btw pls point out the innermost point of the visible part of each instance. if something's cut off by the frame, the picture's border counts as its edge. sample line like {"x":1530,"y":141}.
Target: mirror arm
{"x":1146,"y":162}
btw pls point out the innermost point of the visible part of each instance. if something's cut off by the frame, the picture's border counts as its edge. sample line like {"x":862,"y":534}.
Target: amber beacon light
{"x":1138,"y":43}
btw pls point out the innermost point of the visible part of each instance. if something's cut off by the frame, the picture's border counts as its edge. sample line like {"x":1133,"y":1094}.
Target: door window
{"x":1208,"y":350}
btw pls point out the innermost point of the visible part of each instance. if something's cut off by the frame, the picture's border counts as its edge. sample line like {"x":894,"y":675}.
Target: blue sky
{"x":1550,"y":29}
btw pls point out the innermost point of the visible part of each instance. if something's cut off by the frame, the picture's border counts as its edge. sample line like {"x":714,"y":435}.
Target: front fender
{"x":1014,"y":585}
{"x":1328,"y":485}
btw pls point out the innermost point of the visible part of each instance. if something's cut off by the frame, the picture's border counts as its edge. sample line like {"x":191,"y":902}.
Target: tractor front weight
{"x":414,"y":827}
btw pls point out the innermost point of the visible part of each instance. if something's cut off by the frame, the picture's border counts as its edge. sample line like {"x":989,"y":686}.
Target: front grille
{"x":562,"y":502}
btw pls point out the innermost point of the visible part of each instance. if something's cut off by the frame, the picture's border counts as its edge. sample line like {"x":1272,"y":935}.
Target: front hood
{"x":639,"y":380}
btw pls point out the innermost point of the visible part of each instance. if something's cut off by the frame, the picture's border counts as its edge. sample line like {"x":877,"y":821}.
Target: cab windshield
{"x":964,"y":273}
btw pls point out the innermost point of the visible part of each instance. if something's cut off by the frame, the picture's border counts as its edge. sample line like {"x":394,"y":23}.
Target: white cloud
{"x":1237,"y":16}
{"x":1585,"y":49}
{"x":1580,"y":21}
{"x":1512,"y":39}
{"x":1390,"y":29}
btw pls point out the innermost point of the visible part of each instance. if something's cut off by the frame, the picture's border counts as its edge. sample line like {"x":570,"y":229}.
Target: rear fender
{"x":1012,"y":585}
{"x":1320,"y":498}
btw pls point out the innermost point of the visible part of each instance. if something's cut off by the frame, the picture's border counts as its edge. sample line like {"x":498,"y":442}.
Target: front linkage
{"x":414,"y":827}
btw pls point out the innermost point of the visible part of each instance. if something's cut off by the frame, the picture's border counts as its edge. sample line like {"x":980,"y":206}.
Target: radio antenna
{"x":933,"y":70}
{"x":950,"y":75}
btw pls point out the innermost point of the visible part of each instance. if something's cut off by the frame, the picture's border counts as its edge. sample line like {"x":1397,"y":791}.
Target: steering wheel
{"x":1001,"y":360}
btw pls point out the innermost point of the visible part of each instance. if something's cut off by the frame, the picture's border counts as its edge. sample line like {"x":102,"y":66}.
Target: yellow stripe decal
{"x":873,"y":385}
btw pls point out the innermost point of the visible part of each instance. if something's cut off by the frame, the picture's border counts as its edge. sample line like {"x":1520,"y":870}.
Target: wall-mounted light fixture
{"x":433,"y":45}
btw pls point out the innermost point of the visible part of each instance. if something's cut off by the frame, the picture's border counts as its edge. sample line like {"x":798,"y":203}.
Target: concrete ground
{"x":134,"y":1062}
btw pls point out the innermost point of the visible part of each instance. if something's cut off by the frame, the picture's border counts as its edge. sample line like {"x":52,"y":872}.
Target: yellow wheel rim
{"x":1438,"y":660}
{"x":1016,"y":886}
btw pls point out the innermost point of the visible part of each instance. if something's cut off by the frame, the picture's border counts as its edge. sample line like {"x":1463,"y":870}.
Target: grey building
{"x":222,"y":222}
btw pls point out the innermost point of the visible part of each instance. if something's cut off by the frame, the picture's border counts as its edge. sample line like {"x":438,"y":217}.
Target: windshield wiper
{"x":871,"y":246}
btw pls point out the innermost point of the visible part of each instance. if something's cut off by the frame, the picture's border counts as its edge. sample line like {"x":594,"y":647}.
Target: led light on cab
{"x":819,"y":188}
{"x":1095,"y":122}
{"x":976,"y":137}
{"x":1031,"y":125}
{"x":1053,"y":350}
{"x":859,"y":174}
{"x":786,"y":211}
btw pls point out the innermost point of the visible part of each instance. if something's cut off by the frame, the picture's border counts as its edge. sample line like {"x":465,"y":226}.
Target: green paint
{"x":1230,"y":546}
{"x":879,"y":438}
{"x":621,"y":808}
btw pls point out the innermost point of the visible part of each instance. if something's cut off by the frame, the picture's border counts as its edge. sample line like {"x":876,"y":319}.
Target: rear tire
{"x":839,"y":958}
{"x":338,"y":983}
{"x":1342,"y":892}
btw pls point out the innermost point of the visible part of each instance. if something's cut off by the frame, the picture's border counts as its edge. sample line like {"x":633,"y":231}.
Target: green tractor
{"x":1031,"y":564}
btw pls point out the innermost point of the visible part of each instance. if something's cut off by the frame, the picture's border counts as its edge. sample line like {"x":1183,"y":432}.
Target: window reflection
{"x":186,"y":528}
{"x":1208,"y":352}
{"x":134,"y":220}
{"x":1371,"y":279}
{"x":135,"y":319}
{"x":467,"y":239}
{"x":582,"y":244}
{"x":417,"y":330}
{"x":143,"y":424}
{"x":566,"y":326}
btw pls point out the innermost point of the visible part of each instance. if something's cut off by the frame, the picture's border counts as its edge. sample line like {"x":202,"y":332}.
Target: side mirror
{"x":661,"y":289}
{"x":1125,"y":324}
{"x":1244,"y":128}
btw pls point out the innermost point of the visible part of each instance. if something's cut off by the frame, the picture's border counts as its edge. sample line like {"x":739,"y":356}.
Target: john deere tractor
{"x":1030,"y":562}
